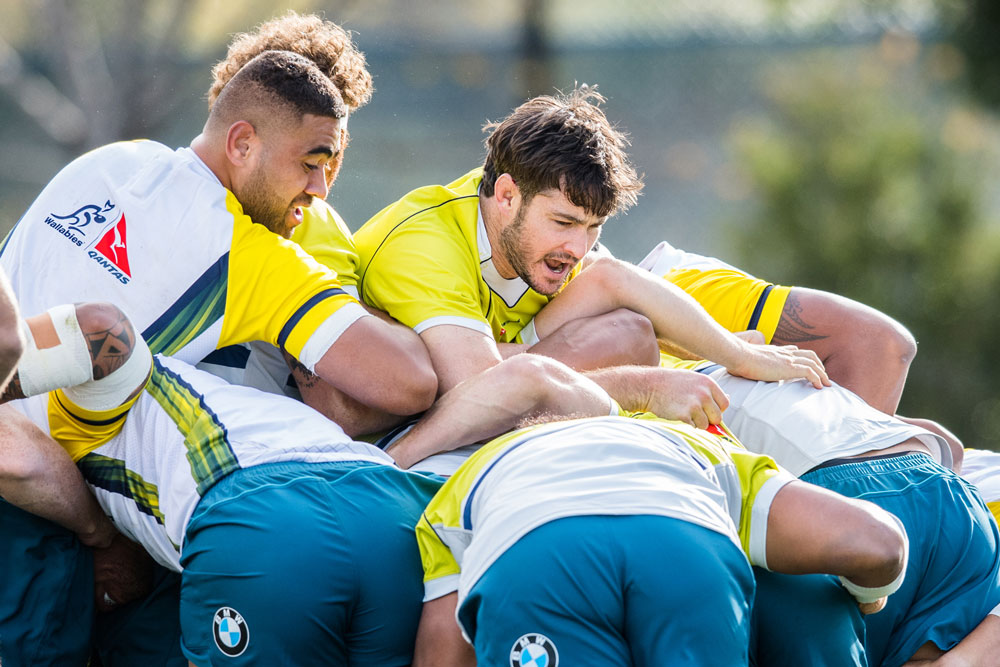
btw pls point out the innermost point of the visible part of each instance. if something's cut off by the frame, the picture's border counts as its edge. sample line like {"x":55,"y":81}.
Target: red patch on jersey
{"x":112,"y":246}
{"x":712,"y":428}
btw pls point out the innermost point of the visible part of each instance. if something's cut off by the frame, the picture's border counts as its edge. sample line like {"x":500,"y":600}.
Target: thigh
{"x":316,"y":567}
{"x":554,"y":597}
{"x":687,"y":597}
{"x":953,"y":573}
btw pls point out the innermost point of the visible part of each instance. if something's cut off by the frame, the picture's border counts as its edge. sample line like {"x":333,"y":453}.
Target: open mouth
{"x":557,"y":267}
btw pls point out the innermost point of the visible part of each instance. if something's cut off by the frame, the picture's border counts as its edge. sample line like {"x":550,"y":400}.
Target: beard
{"x":514,"y":245}
{"x":264,"y":206}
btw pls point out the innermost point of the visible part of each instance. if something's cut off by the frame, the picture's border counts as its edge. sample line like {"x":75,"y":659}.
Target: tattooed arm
{"x":862,"y":348}
{"x":109,"y":340}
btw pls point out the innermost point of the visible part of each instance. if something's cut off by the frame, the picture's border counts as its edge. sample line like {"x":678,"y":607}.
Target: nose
{"x":317,"y":185}
{"x":578,"y":243}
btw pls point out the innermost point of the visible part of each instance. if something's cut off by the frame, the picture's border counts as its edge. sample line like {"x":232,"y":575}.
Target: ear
{"x":242,"y":143}
{"x":507,"y":195}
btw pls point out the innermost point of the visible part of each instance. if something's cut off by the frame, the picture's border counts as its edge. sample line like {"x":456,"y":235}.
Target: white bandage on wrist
{"x":865,"y":594}
{"x":111,"y":391}
{"x":63,"y":365}
{"x":528,"y":334}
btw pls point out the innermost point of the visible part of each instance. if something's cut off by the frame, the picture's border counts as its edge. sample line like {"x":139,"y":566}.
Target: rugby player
{"x":469,"y":264}
{"x":169,"y":235}
{"x":608,"y":540}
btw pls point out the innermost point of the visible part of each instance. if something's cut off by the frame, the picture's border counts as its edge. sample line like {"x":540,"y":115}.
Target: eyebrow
{"x":325,"y":151}
{"x":568,"y":216}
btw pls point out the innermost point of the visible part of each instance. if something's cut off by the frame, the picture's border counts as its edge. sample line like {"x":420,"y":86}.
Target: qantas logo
{"x":111,"y":252}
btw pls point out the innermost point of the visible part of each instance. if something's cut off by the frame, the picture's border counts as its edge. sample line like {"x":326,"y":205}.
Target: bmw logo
{"x":230,"y":631}
{"x":534,"y":650}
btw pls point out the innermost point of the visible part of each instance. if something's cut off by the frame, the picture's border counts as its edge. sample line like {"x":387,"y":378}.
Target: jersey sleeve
{"x":279,"y":294}
{"x":735,"y":300}
{"x":325,"y":236}
{"x":759,"y":479}
{"x":424,"y":275}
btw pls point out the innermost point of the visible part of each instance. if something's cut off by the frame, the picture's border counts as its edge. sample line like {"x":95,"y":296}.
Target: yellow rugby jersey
{"x":426,"y":260}
{"x":734,"y":298}
{"x":153,"y":231}
{"x":325,"y":236}
{"x":596,"y":466}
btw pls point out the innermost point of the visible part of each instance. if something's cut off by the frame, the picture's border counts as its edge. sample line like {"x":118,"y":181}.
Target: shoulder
{"x":434,"y":210}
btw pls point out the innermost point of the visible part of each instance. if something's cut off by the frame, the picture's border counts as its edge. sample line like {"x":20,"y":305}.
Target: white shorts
{"x":801,"y":427}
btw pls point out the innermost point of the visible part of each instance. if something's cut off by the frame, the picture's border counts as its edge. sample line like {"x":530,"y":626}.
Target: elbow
{"x":416,"y":387}
{"x":882,"y":551}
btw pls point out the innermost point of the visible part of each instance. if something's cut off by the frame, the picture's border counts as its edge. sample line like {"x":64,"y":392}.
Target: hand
{"x":873,"y":607}
{"x":123,"y":572}
{"x":751,"y":336}
{"x":684,"y":395}
{"x":785,"y":362}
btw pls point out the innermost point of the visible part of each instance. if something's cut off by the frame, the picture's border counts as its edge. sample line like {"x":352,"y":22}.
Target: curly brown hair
{"x":563,"y":142}
{"x":325,"y":43}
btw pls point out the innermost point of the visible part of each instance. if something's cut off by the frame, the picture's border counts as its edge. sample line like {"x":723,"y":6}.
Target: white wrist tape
{"x":111,"y":391}
{"x":62,"y":365}
{"x":865,"y":594}
{"x":528,"y":334}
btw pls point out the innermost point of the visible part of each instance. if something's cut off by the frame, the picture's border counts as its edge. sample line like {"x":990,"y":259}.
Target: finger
{"x":712,"y":411}
{"x":720,"y":397}
{"x":701,"y":419}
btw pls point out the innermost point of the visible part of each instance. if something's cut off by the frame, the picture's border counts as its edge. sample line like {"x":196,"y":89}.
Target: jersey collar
{"x":510,"y":290}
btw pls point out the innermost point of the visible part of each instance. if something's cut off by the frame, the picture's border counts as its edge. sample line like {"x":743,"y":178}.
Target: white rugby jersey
{"x":153,"y":231}
{"x":187,"y":430}
{"x":982,"y":468}
{"x":596,"y":466}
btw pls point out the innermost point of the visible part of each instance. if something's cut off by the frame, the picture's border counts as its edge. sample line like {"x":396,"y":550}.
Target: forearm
{"x":980,"y":647}
{"x":351,"y":415}
{"x":611,"y":284}
{"x":498,"y":400}
{"x":439,"y":639}
{"x":38,"y":476}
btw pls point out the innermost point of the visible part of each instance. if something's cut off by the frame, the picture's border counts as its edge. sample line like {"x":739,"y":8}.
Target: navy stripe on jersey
{"x":231,"y":356}
{"x":286,"y":330}
{"x":467,"y":512}
{"x":88,"y":422}
{"x":758,"y":310}
{"x":201,"y":306}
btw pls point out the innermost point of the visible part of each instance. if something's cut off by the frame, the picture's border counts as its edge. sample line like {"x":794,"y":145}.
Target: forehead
{"x":555,"y":202}
{"x":312,"y":134}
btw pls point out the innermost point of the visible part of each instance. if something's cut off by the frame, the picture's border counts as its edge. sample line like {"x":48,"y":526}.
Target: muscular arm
{"x":459,"y":353}
{"x":812,"y":530}
{"x":608,"y":284}
{"x":863,"y":349}
{"x":381,"y":365}
{"x":498,"y":400}
{"x":439,"y":640}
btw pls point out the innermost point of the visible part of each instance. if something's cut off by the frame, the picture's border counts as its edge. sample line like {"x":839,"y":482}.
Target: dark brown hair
{"x":323,"y":42}
{"x":566,"y":143}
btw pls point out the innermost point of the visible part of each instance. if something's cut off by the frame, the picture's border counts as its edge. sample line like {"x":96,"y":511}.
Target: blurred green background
{"x":836,"y":144}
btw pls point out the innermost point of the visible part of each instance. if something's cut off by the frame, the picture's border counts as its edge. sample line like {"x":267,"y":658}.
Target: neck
{"x":216,"y":162}
{"x":491,"y":220}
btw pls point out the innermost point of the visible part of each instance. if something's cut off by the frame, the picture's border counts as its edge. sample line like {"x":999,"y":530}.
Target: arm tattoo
{"x":304,"y":377}
{"x":110,"y":347}
{"x":792,"y":329}
{"x":13,"y":390}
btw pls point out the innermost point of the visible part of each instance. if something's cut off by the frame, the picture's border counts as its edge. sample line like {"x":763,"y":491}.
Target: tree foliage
{"x":859,"y":194}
